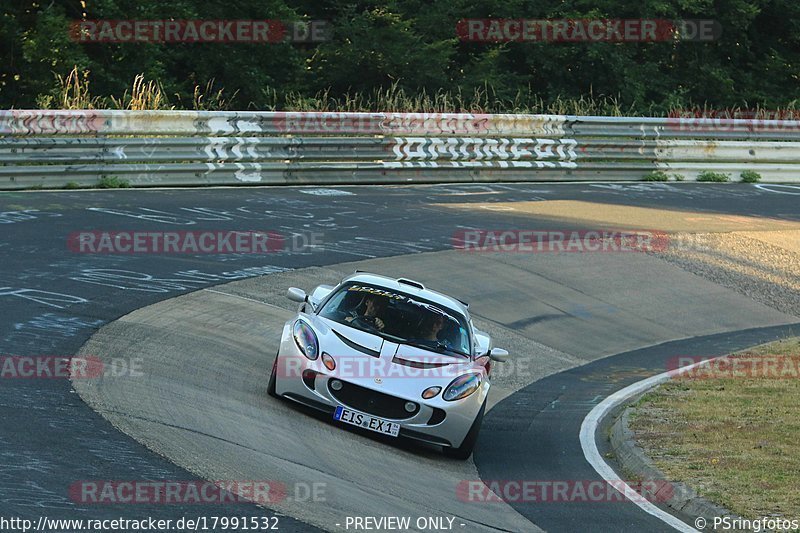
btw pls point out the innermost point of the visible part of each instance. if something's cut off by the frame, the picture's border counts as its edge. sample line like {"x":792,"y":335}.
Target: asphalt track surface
{"x":546,"y":448}
{"x":54,"y":300}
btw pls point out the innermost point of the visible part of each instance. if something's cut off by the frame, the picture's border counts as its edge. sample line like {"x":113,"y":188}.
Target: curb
{"x":635,"y":462}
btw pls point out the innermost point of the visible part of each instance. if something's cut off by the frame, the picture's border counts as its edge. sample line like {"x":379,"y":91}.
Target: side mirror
{"x":498,"y":354}
{"x":296,"y":295}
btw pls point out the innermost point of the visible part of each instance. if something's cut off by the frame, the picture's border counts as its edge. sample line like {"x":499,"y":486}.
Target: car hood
{"x":413,"y":355}
{"x":353,"y":338}
{"x":374,"y":362}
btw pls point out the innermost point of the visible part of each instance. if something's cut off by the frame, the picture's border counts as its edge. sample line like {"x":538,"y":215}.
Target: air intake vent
{"x":373,"y":402}
{"x":437,"y":417}
{"x":416,"y":364}
{"x":411,"y":282}
{"x":356,"y":346}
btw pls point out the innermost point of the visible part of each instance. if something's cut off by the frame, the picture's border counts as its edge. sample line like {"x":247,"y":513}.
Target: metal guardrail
{"x":149,"y":148}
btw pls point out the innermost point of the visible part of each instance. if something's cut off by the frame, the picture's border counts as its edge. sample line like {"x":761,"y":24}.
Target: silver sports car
{"x":389,"y":356}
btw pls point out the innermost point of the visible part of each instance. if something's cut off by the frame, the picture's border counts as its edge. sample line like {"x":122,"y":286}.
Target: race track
{"x":205,"y":329}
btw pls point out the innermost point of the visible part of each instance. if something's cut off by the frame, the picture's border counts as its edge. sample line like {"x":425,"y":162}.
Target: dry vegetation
{"x":733,"y":439}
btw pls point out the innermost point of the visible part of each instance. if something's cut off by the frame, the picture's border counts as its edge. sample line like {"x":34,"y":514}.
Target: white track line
{"x":592,"y":454}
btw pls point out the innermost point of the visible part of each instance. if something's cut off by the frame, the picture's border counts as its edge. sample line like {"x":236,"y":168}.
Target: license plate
{"x":365,"y":421}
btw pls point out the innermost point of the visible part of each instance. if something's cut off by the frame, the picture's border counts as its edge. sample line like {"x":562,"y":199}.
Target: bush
{"x":112,"y":182}
{"x":717,"y":177}
{"x":679,"y":177}
{"x":72,"y":185}
{"x":750,"y":176}
{"x":656,"y":175}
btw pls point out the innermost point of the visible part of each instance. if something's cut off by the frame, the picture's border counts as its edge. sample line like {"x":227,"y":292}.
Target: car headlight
{"x":461,"y":387}
{"x":306,"y":339}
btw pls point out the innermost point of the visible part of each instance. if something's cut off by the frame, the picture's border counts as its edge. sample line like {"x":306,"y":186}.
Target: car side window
{"x":335,"y":308}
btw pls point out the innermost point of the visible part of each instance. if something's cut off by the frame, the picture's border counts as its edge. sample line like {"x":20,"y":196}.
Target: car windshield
{"x":400,"y":318}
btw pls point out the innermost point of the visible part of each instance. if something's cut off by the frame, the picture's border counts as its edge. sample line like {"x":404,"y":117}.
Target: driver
{"x":369,"y":311}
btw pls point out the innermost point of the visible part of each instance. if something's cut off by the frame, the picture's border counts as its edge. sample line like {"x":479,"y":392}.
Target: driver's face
{"x":371,"y":306}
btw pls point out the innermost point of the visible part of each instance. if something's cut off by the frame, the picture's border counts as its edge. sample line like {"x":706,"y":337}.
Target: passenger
{"x":436,"y":331}
{"x":431,"y":326}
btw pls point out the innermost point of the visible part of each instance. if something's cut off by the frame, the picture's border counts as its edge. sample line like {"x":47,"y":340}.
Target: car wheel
{"x":272,"y":377}
{"x":465,"y":450}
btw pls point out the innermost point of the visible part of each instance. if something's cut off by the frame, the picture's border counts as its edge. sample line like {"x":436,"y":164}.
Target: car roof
{"x":410,"y":287}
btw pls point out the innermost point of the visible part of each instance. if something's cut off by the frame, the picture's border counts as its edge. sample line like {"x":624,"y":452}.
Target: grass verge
{"x":112,"y":182}
{"x":750,"y":176}
{"x":731,"y":437}
{"x":715,"y":177}
{"x":656,"y":175}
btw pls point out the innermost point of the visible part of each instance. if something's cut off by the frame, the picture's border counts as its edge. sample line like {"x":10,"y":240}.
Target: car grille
{"x":372,"y":402}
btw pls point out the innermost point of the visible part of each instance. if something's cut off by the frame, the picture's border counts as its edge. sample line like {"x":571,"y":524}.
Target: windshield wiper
{"x":439,"y":347}
{"x":371,"y":331}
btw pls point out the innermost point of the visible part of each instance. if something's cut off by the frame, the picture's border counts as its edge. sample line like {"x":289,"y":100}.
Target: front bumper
{"x":434,"y":421}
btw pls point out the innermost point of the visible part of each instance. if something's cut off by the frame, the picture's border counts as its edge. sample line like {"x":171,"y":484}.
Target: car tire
{"x":465,"y":450}
{"x":272,"y":378}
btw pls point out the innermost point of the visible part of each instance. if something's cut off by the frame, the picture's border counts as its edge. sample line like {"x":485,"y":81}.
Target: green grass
{"x":733,"y":439}
{"x":73,"y":91}
{"x":750,"y":176}
{"x":656,"y":175}
{"x":716,"y":177}
{"x":112,"y":182}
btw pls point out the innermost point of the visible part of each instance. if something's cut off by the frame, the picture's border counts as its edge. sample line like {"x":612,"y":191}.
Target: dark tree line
{"x":412,"y":45}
